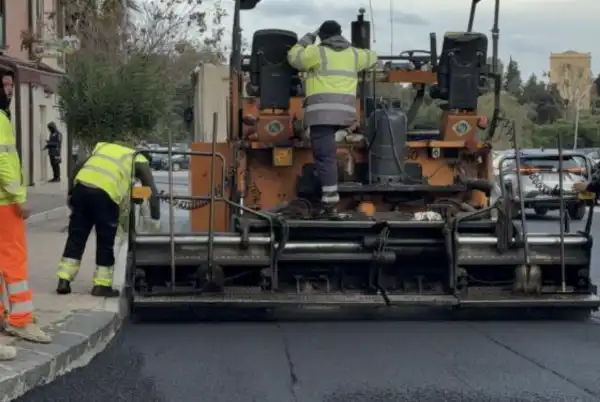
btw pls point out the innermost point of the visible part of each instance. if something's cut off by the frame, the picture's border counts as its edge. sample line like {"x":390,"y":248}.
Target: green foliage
{"x":132,"y":80}
{"x":512,"y":110}
{"x":512,"y":79}
{"x":101,"y":102}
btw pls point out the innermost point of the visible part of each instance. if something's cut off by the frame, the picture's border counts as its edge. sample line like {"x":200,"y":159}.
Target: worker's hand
{"x":581,"y":186}
{"x":308,"y":39}
{"x":23,"y":211}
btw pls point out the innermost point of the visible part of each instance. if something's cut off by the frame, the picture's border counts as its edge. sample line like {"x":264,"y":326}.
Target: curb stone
{"x":40,"y":217}
{"x":75,"y":341}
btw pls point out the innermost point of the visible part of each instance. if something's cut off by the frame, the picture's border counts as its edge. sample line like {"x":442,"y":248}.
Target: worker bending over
{"x":98,"y":195}
{"x":16,"y":299}
{"x":330,"y":103}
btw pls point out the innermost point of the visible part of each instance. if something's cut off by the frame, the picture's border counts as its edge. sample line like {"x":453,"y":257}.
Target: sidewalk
{"x":47,"y":201}
{"x":81,"y":325}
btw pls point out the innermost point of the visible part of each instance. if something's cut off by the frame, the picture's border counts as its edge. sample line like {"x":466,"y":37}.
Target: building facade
{"x":36,"y":79}
{"x":211,"y":95}
{"x":572,"y":73}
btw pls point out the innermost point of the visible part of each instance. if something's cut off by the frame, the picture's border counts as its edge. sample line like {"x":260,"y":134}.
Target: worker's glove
{"x":154,"y":225}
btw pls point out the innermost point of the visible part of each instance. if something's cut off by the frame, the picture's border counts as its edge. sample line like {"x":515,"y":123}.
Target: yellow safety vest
{"x":12,"y":189}
{"x":331,"y":83}
{"x":110,"y":169}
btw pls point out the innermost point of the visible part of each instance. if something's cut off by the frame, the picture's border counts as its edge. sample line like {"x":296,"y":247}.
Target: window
{"x":39,"y":17}
{"x":59,"y":18}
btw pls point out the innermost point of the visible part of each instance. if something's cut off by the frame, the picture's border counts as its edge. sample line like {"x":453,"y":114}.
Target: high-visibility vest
{"x":109,"y":168}
{"x":12,"y":189}
{"x":331,"y":82}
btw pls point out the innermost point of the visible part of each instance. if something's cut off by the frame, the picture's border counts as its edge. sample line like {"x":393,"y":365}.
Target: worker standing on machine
{"x":330,"y":103}
{"x":99,"y":193}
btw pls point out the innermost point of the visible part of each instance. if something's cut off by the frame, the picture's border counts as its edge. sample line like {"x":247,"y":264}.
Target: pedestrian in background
{"x":54,"y":146}
{"x":16,"y":301}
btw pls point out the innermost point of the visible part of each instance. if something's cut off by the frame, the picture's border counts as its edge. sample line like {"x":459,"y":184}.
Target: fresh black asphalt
{"x":342,"y":361}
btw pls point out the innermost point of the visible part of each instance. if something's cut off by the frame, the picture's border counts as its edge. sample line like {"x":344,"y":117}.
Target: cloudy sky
{"x":529,"y":29}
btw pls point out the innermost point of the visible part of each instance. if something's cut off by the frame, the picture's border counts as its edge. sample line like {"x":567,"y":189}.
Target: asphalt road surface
{"x":344,"y":361}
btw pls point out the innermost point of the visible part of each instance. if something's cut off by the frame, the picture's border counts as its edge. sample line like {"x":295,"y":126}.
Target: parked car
{"x":540,"y":176}
{"x":178,"y":162}
{"x":593,"y":154}
{"x":156,"y":162}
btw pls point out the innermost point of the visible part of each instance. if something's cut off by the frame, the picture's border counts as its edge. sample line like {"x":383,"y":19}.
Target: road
{"x":343,"y":361}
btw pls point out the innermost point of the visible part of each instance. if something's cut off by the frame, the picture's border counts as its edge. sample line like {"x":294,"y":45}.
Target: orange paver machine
{"x":419,"y":227}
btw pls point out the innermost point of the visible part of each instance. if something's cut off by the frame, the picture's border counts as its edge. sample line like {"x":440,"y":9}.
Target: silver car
{"x":540,"y":180}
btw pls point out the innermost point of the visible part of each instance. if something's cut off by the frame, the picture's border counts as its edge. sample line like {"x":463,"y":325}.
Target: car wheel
{"x":539,"y":211}
{"x":175,"y":167}
{"x":576,"y":211}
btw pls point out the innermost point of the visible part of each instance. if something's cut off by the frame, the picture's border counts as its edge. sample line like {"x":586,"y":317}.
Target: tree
{"x":544,"y":100}
{"x":128,"y":72}
{"x":512,"y":110}
{"x":512,"y":79}
{"x":597,"y":85}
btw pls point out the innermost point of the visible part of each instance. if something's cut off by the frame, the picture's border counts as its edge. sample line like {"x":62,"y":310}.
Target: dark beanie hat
{"x":328,"y":29}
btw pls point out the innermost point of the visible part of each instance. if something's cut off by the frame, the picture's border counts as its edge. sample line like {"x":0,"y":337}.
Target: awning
{"x":32,"y":72}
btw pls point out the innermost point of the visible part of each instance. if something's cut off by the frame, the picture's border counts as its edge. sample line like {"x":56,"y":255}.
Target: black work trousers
{"x":322,"y":139}
{"x":92,"y":207}
{"x":55,"y":164}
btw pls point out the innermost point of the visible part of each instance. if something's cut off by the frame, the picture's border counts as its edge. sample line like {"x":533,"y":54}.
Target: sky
{"x":529,"y":29}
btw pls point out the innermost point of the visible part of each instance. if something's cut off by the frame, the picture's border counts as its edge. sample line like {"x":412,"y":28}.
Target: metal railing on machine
{"x":565,"y":224}
{"x":217,"y":194}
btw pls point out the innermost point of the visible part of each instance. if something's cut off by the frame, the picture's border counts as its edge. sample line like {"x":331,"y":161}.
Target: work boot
{"x":30,"y":333}
{"x":7,"y":353}
{"x":104,"y":291}
{"x":64,"y":287}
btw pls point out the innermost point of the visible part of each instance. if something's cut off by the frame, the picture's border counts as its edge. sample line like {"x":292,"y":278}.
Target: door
{"x":44,"y":160}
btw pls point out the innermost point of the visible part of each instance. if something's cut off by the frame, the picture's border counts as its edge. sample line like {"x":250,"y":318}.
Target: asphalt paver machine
{"x":418,"y":227}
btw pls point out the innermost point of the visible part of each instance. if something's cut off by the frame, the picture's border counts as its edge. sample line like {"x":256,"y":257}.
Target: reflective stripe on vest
{"x":324,"y":71}
{"x":122,"y":185}
{"x":8,"y":148}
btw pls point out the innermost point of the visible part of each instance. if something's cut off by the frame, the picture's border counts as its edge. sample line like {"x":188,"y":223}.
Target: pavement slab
{"x":47,"y":201}
{"x":81,"y":325}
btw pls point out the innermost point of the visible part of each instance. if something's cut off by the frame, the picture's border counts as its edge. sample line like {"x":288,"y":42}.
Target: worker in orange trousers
{"x":16,"y":301}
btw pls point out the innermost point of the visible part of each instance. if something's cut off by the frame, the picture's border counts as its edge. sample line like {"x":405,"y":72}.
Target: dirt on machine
{"x":418,"y":227}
